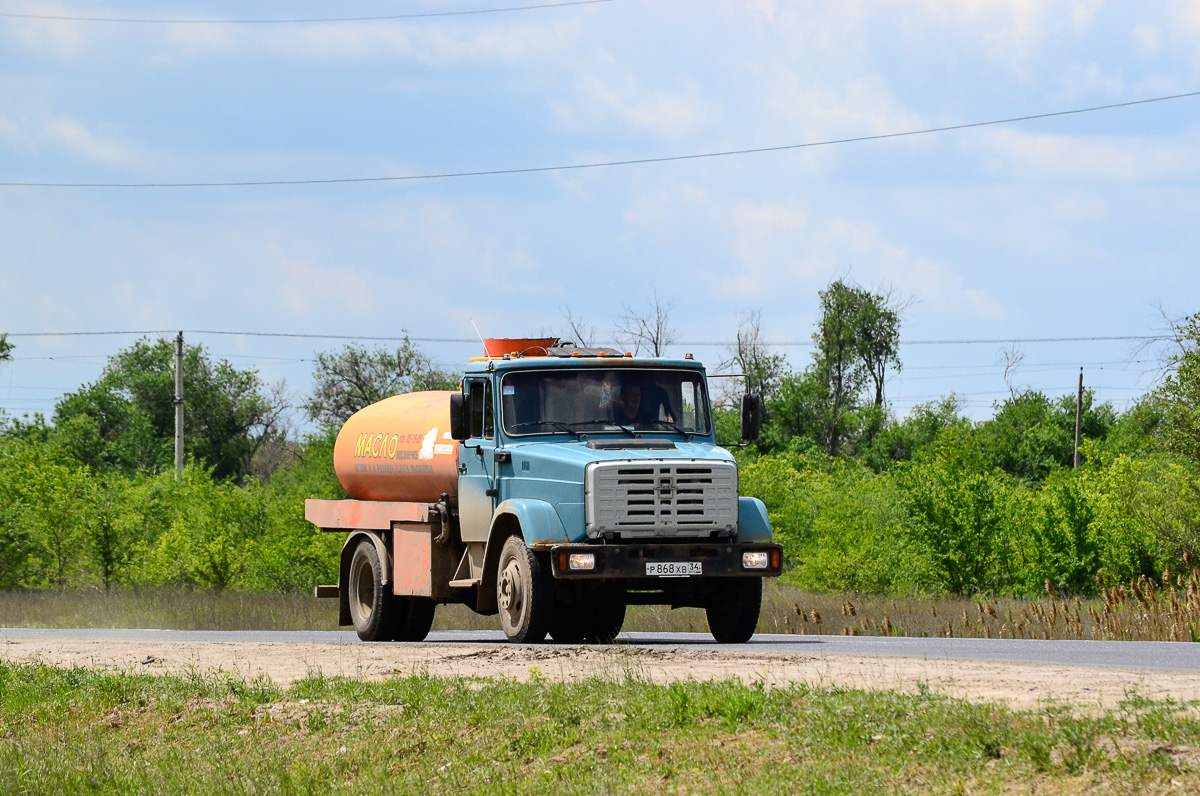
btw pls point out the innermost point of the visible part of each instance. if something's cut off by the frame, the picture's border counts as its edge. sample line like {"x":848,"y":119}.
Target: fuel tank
{"x":399,"y":449}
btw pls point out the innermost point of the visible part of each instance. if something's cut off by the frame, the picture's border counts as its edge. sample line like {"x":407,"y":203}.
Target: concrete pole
{"x":178,"y":403}
{"x":1079,"y":419}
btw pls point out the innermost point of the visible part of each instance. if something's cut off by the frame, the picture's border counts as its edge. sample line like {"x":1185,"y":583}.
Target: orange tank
{"x":399,"y":449}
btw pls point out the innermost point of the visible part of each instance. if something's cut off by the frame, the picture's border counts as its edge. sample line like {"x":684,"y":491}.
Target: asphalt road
{"x":1149,"y":655}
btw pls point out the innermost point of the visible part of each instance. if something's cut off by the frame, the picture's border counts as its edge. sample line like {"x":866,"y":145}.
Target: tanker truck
{"x":557,"y":486}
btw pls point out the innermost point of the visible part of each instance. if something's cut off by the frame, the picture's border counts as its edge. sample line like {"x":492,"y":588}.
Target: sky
{"x":1078,"y":226}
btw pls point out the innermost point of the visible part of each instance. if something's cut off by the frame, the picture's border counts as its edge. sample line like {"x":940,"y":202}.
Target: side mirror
{"x":751,"y":417}
{"x":458,"y":416}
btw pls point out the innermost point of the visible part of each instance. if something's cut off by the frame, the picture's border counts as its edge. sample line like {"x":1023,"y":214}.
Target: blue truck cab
{"x":590,"y":480}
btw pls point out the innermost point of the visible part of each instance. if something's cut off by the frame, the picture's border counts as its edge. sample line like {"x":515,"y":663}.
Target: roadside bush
{"x":841,"y":524}
{"x":959,"y":516}
{"x":1057,"y":536}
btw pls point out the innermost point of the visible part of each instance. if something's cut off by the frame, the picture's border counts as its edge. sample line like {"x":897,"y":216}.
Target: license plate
{"x":673,"y":569}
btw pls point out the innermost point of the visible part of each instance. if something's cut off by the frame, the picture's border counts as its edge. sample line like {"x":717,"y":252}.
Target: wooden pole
{"x":178,"y":403}
{"x":1079,"y":419}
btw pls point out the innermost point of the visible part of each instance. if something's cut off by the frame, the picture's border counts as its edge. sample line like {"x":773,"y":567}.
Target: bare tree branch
{"x":582,"y":333}
{"x":1011,"y":358}
{"x":650,"y":330}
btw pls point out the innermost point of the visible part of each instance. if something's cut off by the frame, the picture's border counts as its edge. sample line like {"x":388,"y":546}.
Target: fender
{"x":540,"y":524}
{"x":385,"y":559}
{"x":533,"y":520}
{"x":754,"y":524}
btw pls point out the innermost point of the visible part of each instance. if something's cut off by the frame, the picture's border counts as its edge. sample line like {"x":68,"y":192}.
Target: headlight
{"x":755,"y":560}
{"x":581,"y":561}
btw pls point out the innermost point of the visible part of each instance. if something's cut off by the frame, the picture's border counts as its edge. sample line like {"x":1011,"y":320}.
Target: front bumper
{"x":722,"y":560}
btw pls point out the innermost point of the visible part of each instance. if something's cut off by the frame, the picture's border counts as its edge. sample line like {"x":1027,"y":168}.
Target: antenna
{"x":485,"y":351}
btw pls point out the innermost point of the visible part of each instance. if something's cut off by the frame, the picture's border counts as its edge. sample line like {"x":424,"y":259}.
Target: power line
{"x":475,"y":340}
{"x":384,"y":18}
{"x":599,"y":164}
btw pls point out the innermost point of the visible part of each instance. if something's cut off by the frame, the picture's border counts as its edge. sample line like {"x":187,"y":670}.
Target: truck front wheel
{"x":524,"y":593}
{"x":732,"y":608}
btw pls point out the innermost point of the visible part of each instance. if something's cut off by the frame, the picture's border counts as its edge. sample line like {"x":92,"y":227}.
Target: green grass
{"x":78,"y":731}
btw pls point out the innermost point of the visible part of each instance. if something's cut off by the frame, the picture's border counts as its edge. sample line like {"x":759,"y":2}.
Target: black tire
{"x":412,"y":618}
{"x":371,"y":609}
{"x":732,"y":608}
{"x":569,"y":625}
{"x":608,"y":615}
{"x":596,"y":620}
{"x":524,"y":593}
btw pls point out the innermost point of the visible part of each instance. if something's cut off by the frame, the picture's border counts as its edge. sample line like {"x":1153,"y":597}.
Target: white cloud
{"x":1089,"y":80}
{"x":1148,"y":38}
{"x":601,"y":102}
{"x":63,"y":39}
{"x":777,"y":251}
{"x":808,"y":109}
{"x":72,"y":133}
{"x":306,"y":288}
{"x":1015,"y":153}
{"x":431,"y":44}
{"x":55,"y":132}
{"x":767,"y":8}
{"x":1188,"y":11}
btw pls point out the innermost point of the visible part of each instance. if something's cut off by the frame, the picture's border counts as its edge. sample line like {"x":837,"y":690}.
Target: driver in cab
{"x":634,"y":409}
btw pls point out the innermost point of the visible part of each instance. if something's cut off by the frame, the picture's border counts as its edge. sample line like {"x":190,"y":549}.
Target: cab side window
{"x":482,"y":412}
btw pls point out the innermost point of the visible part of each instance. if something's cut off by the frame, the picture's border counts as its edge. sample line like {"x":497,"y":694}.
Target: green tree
{"x":1031,"y":436}
{"x":126,"y":419}
{"x":1180,"y":392}
{"x":45,"y":494}
{"x":5,"y":355}
{"x":839,"y":400}
{"x":761,"y":368}
{"x":114,"y":525}
{"x":900,"y":441}
{"x":959,"y":515}
{"x":354,"y":377}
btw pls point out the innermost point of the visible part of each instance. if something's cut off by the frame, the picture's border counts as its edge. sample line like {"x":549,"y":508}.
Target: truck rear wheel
{"x":411,"y":618}
{"x":370,"y":606}
{"x":524,"y":593}
{"x":732,"y":608}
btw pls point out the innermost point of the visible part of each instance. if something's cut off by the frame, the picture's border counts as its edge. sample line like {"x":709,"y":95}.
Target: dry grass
{"x":1142,"y":610}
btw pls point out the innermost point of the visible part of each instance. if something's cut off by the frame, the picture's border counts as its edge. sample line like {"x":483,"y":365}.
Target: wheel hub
{"x":510,"y":590}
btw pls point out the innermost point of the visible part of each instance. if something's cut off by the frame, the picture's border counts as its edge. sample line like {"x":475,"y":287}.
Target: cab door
{"x":477,"y":483}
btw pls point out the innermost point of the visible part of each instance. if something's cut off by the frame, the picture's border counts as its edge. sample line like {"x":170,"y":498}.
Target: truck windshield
{"x":604,"y":400}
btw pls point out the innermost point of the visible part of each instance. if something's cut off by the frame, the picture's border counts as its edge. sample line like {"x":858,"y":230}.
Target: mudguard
{"x":754,"y":525}
{"x":540,"y":524}
{"x":376,"y":538}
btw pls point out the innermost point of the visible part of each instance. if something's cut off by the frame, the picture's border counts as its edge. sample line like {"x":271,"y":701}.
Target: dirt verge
{"x":1019,"y":685}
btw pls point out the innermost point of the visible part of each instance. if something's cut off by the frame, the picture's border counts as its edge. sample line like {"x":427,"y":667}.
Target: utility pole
{"x":178,"y":403}
{"x":1078,"y":419}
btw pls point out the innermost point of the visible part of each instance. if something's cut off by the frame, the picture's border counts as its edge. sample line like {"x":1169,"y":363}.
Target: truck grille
{"x":661,"y":498}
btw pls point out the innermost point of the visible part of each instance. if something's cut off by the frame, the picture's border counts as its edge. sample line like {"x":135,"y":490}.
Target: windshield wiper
{"x":671,"y":423}
{"x":555,"y":423}
{"x":606,"y":421}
